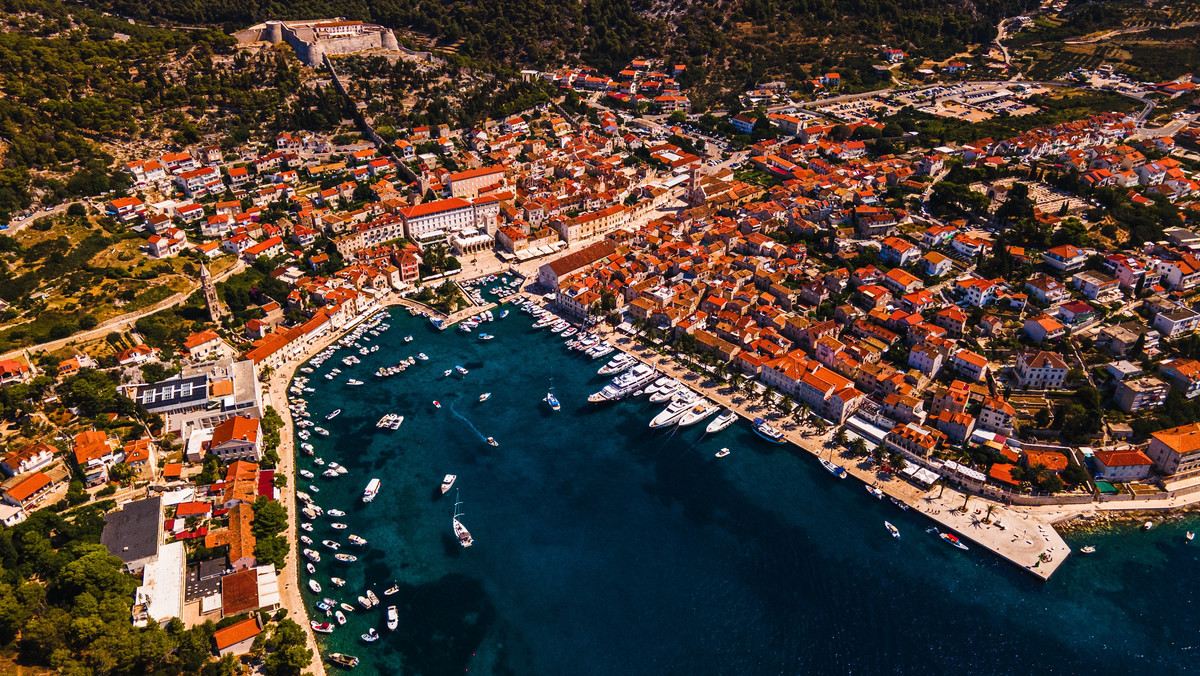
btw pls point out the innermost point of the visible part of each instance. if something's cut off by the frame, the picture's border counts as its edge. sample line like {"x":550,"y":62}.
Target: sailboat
{"x":551,"y":399}
{"x":460,"y":531}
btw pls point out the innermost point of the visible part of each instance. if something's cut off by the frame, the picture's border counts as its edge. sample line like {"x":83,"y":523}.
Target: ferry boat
{"x":460,"y":531}
{"x":393,"y":618}
{"x":371,"y":491}
{"x":833,"y":468}
{"x":674,"y":411}
{"x":892,"y":529}
{"x":447,"y":482}
{"x":727,"y":418}
{"x":551,"y":399}
{"x":764,"y":429}
{"x":697,"y":413}
{"x":952,"y":539}
{"x":485,"y":396}
{"x":722,"y":453}
{"x":343,"y":660}
{"x":321,"y":627}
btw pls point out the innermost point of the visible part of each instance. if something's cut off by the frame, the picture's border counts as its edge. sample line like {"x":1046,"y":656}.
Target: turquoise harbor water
{"x":602,"y":548}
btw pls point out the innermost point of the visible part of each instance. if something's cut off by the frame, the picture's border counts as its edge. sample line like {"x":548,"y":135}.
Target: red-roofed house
{"x":1129,"y":465}
{"x":238,"y":438}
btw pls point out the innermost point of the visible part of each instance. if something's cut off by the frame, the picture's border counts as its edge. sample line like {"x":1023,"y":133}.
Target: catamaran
{"x":460,"y":531}
{"x":727,"y":418}
{"x":551,"y":399}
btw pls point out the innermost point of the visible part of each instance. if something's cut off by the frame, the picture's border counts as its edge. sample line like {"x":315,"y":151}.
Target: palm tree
{"x":785,"y":404}
{"x":768,"y":395}
{"x":839,"y":437}
{"x":858,"y":447}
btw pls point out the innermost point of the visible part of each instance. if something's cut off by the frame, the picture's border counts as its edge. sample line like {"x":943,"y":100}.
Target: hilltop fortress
{"x":313,"y":39}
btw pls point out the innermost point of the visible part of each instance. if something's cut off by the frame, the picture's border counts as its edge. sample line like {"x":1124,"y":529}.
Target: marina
{"x":677,"y":464}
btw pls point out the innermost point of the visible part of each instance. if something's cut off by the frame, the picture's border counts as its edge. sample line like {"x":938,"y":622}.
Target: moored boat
{"x":447,"y":482}
{"x":460,"y":531}
{"x":371,"y":490}
{"x":393,"y":618}
{"x":834,"y":468}
{"x":875,"y":492}
{"x":720,"y":422}
{"x":952,"y":539}
{"x":345,"y":558}
{"x":723,"y":452}
{"x":321,"y":627}
{"x":314,"y":586}
{"x":1088,"y":549}
{"x":697,"y":413}
{"x":343,"y":660}
{"x":371,"y":636}
{"x":357,"y":540}
{"x":764,"y":429}
{"x":892,"y":529}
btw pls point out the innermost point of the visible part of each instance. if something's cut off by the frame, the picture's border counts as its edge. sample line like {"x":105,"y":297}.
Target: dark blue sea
{"x":602,"y":548}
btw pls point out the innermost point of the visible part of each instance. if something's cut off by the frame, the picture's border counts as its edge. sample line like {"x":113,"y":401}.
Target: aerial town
{"x":1009,"y":318}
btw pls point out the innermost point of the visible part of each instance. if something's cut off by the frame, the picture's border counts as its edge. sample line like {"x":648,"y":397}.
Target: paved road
{"x":121,"y":322}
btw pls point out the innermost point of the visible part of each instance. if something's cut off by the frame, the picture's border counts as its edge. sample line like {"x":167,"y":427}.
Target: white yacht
{"x":674,"y":411}
{"x":371,"y":491}
{"x":666,"y":391}
{"x":727,"y":418}
{"x":625,"y":384}
{"x":698,"y":412}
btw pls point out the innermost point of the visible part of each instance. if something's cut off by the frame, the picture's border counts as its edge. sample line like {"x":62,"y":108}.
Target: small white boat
{"x":1190,"y":536}
{"x":447,"y":373}
{"x":422,"y":357}
{"x":485,"y":396}
{"x":875,"y":492}
{"x":338,"y":526}
{"x":1088,"y":550}
{"x":306,"y":474}
{"x":492,"y":442}
{"x":331,"y":544}
{"x":393,"y":618}
{"x":1148,"y":525}
{"x":337,"y":581}
{"x":312,"y":570}
{"x":312,"y":555}
{"x":345,"y":558}
{"x":306,"y":540}
{"x":391,"y":590}
{"x":314,"y":489}
{"x":408,"y":339}
{"x":307,"y":448}
{"x":892,"y":529}
{"x":306,"y":526}
{"x":448,"y":481}
{"x":334,"y":414}
{"x":723,"y":452}
{"x":336,"y":512}
{"x":357,"y":540}
{"x":321,"y":627}
{"x":364,"y":602}
{"x":371,"y":636}
{"x":347,"y":607}
{"x":340,"y":616}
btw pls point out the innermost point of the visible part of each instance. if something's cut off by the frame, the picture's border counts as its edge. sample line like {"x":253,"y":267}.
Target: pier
{"x":1025,"y":540}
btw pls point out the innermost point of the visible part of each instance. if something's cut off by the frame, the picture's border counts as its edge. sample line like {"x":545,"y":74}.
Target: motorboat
{"x":1088,"y":549}
{"x":312,"y":555}
{"x":306,"y":526}
{"x":337,"y":525}
{"x":331,"y":544}
{"x":674,"y":411}
{"x":340,"y":617}
{"x":666,"y":391}
{"x":371,"y":636}
{"x":374,"y":599}
{"x":306,"y":474}
{"x":892,"y":529}
{"x":764,"y":429}
{"x":1190,"y":536}
{"x":321,"y":627}
{"x":314,"y":489}
{"x":492,"y":442}
{"x":307,"y":448}
{"x":462,"y":370}
{"x":952,"y":539}
{"x":727,"y":418}
{"x":336,"y":512}
{"x":354,"y":383}
{"x":312,"y":570}
{"x":371,"y":490}
{"x":303,"y":497}
{"x":357,"y":540}
{"x":335,"y":413}
{"x":314,"y":586}
{"x":408,"y":339}
{"x":337,"y":581}
{"x":343,"y":660}
{"x":345,"y":558}
{"x":722,"y":453}
{"x":619,"y":363}
{"x":878,"y":494}
{"x":393,"y":618}
{"x":551,"y":399}
{"x":697,"y":413}
{"x":485,"y":396}
{"x":391,"y":590}
{"x":364,"y":602}
{"x":329,"y":474}
{"x":1148,"y":525}
{"x":486,"y":336}
{"x":306,"y":540}
{"x":447,"y":482}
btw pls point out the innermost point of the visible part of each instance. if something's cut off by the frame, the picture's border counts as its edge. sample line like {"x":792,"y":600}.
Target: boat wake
{"x":481,"y":435}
